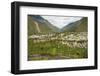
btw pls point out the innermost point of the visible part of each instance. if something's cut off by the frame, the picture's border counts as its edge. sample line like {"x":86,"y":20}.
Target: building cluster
{"x":71,"y":39}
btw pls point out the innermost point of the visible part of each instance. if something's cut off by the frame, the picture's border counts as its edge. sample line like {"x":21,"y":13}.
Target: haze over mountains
{"x":37,"y":24}
{"x":78,"y":26}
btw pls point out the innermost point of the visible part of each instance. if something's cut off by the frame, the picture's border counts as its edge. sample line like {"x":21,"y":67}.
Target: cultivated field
{"x":65,"y":45}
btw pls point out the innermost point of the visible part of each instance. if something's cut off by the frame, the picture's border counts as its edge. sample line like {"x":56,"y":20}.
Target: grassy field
{"x":53,"y":50}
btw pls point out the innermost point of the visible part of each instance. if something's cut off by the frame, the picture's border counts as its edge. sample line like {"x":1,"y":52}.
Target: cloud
{"x":61,"y":21}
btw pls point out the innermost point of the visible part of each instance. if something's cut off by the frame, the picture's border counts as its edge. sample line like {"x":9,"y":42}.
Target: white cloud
{"x":61,"y":21}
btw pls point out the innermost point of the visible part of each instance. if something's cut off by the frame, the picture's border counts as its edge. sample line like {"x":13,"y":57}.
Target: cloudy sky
{"x":60,"y":21}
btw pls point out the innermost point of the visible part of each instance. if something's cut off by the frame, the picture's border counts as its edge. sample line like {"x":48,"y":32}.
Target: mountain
{"x":78,"y":26}
{"x":37,"y":24}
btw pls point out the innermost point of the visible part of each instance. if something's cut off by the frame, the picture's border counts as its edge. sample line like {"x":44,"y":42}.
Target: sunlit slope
{"x":78,"y":26}
{"x":38,"y":26}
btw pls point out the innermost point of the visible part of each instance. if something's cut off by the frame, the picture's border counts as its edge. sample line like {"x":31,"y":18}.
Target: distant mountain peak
{"x":47,"y":27}
{"x":38,"y":18}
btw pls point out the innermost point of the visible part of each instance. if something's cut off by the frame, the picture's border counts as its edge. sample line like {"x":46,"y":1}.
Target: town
{"x":71,"y":39}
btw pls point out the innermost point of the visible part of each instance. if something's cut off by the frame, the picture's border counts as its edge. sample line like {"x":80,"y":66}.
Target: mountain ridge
{"x":37,"y":24}
{"x":78,"y":26}
{"x":43,"y":25}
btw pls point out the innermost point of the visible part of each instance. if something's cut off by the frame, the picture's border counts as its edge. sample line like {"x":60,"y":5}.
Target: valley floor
{"x":67,"y":45}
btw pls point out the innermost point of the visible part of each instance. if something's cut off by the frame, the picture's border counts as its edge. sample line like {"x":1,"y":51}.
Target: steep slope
{"x":36,"y":24}
{"x":78,"y":26}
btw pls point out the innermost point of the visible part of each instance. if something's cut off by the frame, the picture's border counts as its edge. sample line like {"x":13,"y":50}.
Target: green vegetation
{"x":45,"y":27}
{"x":53,"y":50}
{"x":78,"y":26}
{"x":47,"y":42}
